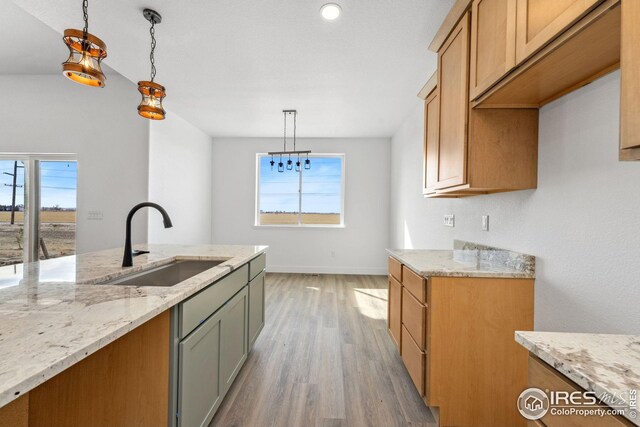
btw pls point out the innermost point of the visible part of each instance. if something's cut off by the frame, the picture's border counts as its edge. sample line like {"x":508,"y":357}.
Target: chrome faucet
{"x":127,"y":260}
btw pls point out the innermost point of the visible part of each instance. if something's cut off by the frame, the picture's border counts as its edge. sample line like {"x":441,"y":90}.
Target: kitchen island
{"x":56,"y":317}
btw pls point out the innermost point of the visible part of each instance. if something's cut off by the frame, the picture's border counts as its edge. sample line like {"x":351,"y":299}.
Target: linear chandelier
{"x":86,"y":52}
{"x":294,"y":152}
{"x":152,"y":93}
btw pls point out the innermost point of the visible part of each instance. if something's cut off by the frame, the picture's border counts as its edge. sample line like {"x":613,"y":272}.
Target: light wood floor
{"x":324,"y":358}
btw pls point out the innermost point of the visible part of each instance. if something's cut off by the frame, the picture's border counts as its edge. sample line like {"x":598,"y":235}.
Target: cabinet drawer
{"x":545,"y":377}
{"x":414,"y":360}
{"x":414,"y":317}
{"x":415,"y":283}
{"x":395,"y":269}
{"x":395,"y":310}
{"x":256,"y":266}
{"x":196,"y":309}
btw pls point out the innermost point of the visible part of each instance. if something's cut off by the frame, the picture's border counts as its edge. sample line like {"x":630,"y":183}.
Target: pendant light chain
{"x":85,"y":6}
{"x":152,"y":31}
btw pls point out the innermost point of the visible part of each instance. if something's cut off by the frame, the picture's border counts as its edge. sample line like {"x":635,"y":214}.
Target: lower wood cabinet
{"x":456,"y":340}
{"x":414,"y":360}
{"x":394,"y":321}
{"x":544,"y":377}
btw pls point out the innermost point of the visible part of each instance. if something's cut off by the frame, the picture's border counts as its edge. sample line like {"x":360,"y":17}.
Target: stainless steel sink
{"x":165,"y":275}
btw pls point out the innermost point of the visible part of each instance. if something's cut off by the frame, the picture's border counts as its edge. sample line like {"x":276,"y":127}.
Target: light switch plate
{"x":449,"y":220}
{"x":485,"y":222}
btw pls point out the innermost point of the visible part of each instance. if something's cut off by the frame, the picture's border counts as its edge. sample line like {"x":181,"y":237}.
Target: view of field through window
{"x":58,"y":188}
{"x":309,"y":197}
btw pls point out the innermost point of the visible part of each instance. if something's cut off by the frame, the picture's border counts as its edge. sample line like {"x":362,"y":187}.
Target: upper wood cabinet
{"x":466,"y":151}
{"x":431,"y":118}
{"x":453,"y":85}
{"x":540,"y":21}
{"x":493,"y":50}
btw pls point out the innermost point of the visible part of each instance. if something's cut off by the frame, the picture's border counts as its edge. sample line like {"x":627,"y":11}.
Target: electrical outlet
{"x":449,"y":220}
{"x":485,"y":222}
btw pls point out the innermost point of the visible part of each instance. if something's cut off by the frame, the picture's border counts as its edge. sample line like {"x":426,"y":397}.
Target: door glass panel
{"x":58,"y":193}
{"x":12,"y":203}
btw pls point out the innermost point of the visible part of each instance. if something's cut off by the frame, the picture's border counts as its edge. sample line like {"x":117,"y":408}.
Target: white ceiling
{"x":231,"y":66}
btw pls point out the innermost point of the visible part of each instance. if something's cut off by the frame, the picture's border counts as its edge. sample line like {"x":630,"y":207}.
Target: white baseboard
{"x":326,"y":270}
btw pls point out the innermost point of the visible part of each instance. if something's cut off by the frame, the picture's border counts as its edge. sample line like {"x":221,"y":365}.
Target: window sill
{"x":338,"y":226}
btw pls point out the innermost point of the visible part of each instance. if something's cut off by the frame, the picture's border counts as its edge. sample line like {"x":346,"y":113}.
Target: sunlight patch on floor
{"x":371,"y":302}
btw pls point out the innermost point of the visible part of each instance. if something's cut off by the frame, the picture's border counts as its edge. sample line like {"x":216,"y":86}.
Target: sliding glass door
{"x":38,"y":200}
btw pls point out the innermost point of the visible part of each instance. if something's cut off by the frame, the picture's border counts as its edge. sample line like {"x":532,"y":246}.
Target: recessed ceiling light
{"x":330,"y":11}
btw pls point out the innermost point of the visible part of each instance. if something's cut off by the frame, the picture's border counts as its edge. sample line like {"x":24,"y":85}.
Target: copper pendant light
{"x":86,"y":52}
{"x":152,"y":93}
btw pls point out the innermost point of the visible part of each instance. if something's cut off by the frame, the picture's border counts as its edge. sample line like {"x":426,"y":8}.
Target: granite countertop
{"x":467,"y":260}
{"x":604,"y":364}
{"x":53,"y":314}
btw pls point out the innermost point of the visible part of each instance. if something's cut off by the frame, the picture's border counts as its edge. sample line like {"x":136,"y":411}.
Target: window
{"x":311,"y":197}
{"x":37,"y":207}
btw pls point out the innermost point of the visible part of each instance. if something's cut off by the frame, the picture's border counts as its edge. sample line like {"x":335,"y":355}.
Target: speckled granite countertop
{"x":467,"y":260}
{"x":604,"y":364}
{"x":53,"y":314}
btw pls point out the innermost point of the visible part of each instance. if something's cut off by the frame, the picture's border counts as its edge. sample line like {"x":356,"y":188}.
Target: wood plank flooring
{"x":325,"y":359}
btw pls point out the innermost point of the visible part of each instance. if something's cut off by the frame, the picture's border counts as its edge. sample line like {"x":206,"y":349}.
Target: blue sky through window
{"x":59,"y":181}
{"x":321,"y":187}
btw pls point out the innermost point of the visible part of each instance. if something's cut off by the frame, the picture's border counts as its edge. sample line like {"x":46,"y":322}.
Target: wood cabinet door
{"x":540,"y":21}
{"x":453,"y":85}
{"x":395,"y":310}
{"x":430,"y":149}
{"x":493,"y":43}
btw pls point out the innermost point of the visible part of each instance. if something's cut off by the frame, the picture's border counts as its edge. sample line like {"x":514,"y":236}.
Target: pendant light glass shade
{"x":151,"y":105}
{"x":86,"y":52}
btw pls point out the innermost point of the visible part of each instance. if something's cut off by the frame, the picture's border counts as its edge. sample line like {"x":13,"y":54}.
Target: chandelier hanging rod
{"x":276,"y":153}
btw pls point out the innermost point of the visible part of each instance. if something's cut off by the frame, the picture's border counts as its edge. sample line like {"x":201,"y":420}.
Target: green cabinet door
{"x":234,"y":332}
{"x":199,"y":386}
{"x":256,"y":307}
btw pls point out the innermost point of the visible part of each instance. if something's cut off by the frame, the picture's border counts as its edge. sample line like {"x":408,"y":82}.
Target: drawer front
{"x":535,"y":424}
{"x":415,"y":283}
{"x":414,"y":360}
{"x":256,"y":265}
{"x":196,"y":309}
{"x":545,"y":377}
{"x":395,"y":310}
{"x":395,"y":269}
{"x":414,"y":318}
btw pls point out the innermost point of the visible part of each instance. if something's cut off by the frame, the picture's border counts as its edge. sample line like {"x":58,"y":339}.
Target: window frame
{"x":32,"y":182}
{"x":342,"y":224}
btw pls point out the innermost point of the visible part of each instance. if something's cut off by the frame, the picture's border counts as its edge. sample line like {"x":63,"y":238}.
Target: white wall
{"x":180,"y":181}
{"x":357,"y":248}
{"x":581,"y":223}
{"x":49,"y":114}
